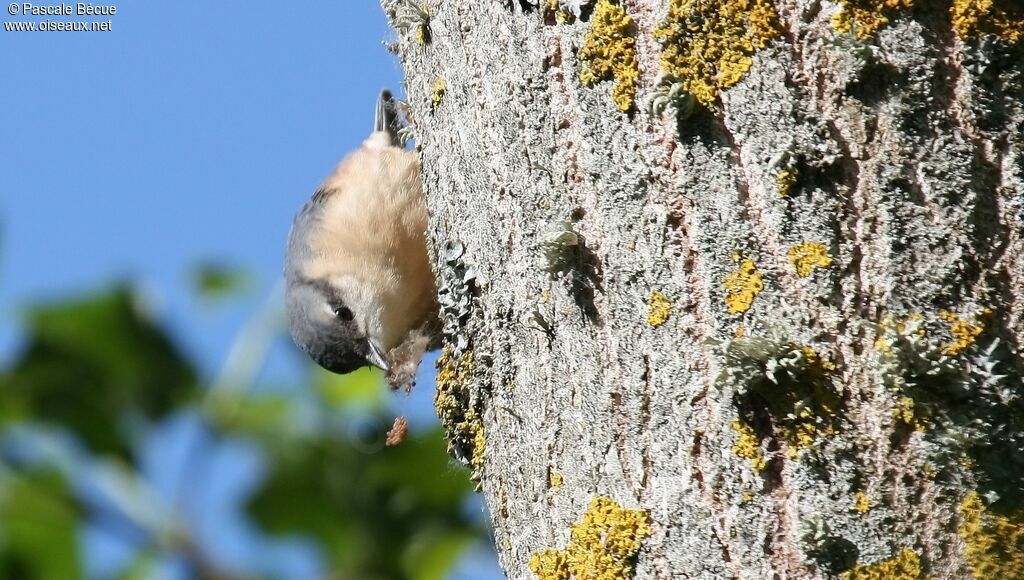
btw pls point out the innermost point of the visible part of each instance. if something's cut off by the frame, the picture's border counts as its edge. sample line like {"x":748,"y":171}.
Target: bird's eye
{"x":343,"y":313}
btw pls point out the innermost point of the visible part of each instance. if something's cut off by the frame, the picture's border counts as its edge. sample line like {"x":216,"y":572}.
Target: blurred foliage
{"x":369,"y":511}
{"x":91,"y":363}
{"x":215,"y":282}
{"x":38,"y":528}
{"x":101,"y":377}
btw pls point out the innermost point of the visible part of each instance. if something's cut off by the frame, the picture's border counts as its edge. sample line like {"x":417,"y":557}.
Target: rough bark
{"x":862,"y":416}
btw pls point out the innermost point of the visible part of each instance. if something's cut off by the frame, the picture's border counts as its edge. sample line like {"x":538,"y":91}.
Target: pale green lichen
{"x":561,"y":249}
{"x":603,"y":546}
{"x":671,"y":95}
{"x":708,"y":45}
{"x":961,"y":396}
{"x":658,"y":308}
{"x":411,"y":15}
{"x":788,"y":385}
{"x":812,"y":406}
{"x":907,"y":354}
{"x":609,"y":51}
{"x":908,"y":358}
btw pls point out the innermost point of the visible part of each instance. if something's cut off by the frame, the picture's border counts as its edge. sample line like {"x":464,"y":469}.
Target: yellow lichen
{"x":555,"y":481}
{"x":902,"y":326}
{"x":1003,"y":18}
{"x":883,"y":344}
{"x":562,"y":16}
{"x":994,"y":543}
{"x":808,"y":256}
{"x":474,"y":425}
{"x":550,"y":565}
{"x":708,"y":45}
{"x":658,"y":307}
{"x":964,"y":333}
{"x":864,"y":17}
{"x":801,"y":402}
{"x":609,"y":51}
{"x":747,"y":446}
{"x":909,"y":413}
{"x":896,"y":330}
{"x":742,"y":286}
{"x":601,"y":547}
{"x":423,"y":29}
{"x":785,"y":181}
{"x":811,"y":410}
{"x":460,"y":419}
{"x":929,"y":470}
{"x":862,"y":503}
{"x":801,"y":436}
{"x":904,"y":566}
{"x":440,"y":86}
{"x":816,"y":360}
{"x":452,"y":376}
{"x":970,"y":18}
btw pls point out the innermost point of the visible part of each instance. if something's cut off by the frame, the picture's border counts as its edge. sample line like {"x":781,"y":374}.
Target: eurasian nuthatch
{"x":359,"y":284}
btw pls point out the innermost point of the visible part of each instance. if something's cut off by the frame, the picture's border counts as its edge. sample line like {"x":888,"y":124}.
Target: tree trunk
{"x":731,"y":289}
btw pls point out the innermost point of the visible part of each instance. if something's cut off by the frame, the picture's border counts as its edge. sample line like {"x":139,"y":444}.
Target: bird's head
{"x":334,"y":322}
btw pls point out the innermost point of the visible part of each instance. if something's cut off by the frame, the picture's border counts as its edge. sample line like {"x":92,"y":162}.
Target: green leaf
{"x":260,"y":416}
{"x":366,"y":508}
{"x":90,"y":362}
{"x":214,"y":282}
{"x":403,"y":467}
{"x":38,"y":521}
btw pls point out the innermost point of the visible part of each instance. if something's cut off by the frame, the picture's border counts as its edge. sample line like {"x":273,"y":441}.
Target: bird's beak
{"x":376,"y":355}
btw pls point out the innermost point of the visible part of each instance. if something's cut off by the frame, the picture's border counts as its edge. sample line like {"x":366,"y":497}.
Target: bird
{"x":359,"y":289}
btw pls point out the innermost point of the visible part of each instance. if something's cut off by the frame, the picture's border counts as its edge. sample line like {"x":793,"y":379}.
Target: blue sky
{"x":192,"y":131}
